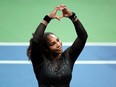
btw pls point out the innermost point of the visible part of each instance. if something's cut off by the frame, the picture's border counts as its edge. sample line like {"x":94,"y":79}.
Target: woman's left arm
{"x":80,"y":41}
{"x":78,"y":45}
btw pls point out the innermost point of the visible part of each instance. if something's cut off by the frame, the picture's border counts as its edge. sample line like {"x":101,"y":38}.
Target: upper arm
{"x":36,"y":48}
{"x":80,"y":41}
{"x":76,"y":48}
{"x":36,"y":53}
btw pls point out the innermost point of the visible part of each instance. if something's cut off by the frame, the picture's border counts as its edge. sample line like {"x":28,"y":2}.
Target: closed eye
{"x":53,"y":43}
{"x":58,"y":40}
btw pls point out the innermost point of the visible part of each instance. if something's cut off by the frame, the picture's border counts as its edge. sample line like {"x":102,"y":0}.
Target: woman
{"x":52,"y":66}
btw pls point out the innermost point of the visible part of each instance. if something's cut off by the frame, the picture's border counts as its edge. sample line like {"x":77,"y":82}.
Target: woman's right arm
{"x":37,"y":36}
{"x":36,"y":49}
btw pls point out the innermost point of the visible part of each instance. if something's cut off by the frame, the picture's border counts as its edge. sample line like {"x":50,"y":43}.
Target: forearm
{"x":37,"y":36}
{"x":80,"y":41}
{"x":80,"y":30}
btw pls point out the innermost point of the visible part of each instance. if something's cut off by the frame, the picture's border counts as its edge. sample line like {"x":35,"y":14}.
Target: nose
{"x":58,"y":44}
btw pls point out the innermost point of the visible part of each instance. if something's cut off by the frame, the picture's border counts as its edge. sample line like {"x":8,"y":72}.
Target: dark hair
{"x":44,"y":44}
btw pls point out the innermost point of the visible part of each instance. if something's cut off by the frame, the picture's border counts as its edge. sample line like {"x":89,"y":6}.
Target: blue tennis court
{"x":95,"y":67}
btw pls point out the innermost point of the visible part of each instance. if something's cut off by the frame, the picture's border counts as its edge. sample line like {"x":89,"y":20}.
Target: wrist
{"x":47,"y":19}
{"x":73,"y":17}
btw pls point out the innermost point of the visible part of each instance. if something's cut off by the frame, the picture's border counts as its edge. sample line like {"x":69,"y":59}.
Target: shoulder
{"x":67,"y":51}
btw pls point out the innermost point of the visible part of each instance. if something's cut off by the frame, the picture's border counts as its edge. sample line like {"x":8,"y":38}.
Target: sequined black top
{"x":56,"y":73}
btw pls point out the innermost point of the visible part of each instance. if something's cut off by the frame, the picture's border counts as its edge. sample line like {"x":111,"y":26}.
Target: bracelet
{"x":73,"y":16}
{"x":47,"y":18}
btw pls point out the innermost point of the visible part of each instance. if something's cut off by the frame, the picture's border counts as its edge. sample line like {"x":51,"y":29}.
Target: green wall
{"x":19,"y":19}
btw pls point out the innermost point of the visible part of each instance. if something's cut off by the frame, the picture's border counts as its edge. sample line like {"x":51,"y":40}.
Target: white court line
{"x":64,"y":43}
{"x":15,"y":62}
{"x":77,"y":62}
{"x":96,"y":62}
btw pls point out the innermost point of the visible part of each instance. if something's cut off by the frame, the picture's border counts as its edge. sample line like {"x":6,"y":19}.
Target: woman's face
{"x":54,"y":44}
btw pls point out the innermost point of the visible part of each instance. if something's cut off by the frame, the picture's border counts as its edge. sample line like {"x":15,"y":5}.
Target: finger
{"x":64,"y":9}
{"x":62,"y":5}
{"x":61,"y":16}
{"x":56,"y":17}
{"x":57,"y":8}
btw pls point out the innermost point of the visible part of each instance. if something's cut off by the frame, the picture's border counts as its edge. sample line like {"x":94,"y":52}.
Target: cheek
{"x":54,"y":46}
{"x":51,"y":47}
{"x":60,"y":43}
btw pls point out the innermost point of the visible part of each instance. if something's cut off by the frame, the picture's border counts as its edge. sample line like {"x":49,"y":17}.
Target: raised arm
{"x":80,"y":41}
{"x":35,"y":44}
{"x":41,"y":28}
{"x":35,"y":48}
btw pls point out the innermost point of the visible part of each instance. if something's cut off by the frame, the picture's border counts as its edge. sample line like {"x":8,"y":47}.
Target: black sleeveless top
{"x":56,"y":73}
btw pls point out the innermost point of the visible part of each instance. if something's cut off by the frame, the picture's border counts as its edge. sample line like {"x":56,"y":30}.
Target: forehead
{"x":51,"y":37}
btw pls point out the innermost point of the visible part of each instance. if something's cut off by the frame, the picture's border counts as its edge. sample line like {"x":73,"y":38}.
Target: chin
{"x":60,"y":52}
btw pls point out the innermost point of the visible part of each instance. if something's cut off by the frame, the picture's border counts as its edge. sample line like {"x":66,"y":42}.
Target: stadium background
{"x":96,"y":66}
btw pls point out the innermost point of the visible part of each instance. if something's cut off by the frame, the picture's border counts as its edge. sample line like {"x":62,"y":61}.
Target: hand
{"x":53,"y":13}
{"x":65,"y":11}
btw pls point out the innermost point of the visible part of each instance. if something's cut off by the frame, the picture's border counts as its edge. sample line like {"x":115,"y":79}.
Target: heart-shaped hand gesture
{"x":65,"y":12}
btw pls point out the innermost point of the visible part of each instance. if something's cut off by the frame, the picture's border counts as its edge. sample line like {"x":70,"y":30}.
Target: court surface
{"x":96,"y":65}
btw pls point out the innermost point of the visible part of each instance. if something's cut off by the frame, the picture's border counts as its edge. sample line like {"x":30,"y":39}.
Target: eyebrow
{"x":53,"y":41}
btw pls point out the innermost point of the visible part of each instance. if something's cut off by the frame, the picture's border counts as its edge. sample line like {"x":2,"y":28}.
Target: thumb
{"x":58,"y":18}
{"x":61,"y":16}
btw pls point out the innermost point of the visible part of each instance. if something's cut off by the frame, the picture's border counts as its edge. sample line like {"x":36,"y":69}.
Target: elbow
{"x":86,"y":36}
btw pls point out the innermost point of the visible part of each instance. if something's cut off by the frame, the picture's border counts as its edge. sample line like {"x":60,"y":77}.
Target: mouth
{"x":60,"y":49}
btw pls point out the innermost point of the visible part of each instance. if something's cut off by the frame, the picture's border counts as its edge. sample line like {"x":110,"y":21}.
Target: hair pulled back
{"x":44,"y":44}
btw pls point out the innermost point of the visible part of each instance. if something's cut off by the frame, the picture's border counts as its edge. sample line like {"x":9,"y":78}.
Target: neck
{"x":55,"y":57}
